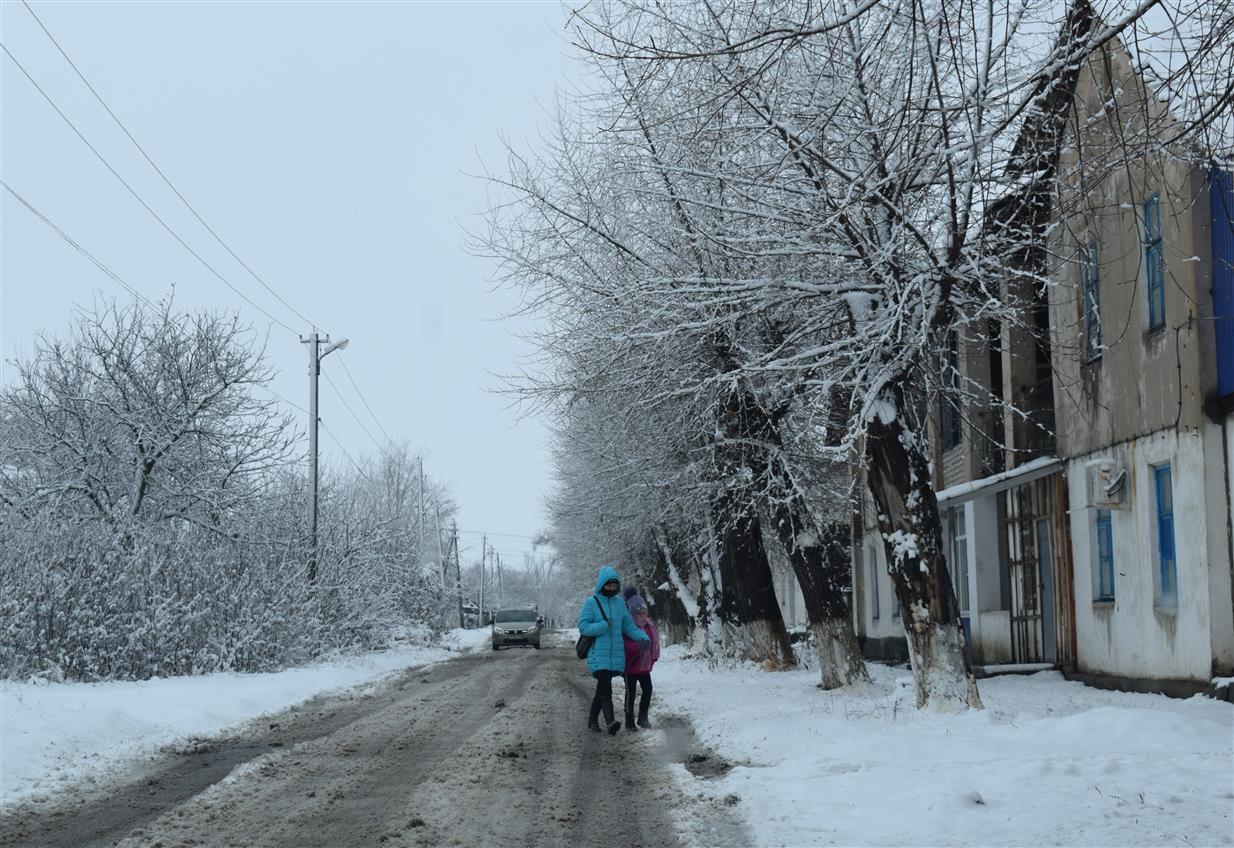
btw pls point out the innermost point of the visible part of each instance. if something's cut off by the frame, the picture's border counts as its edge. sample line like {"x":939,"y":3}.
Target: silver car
{"x":516,"y":627}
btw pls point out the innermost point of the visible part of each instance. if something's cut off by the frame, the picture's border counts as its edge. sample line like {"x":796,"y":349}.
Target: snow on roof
{"x":966,"y":491}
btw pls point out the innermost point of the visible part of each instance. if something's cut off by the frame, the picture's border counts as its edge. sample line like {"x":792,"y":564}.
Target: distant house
{"x":1059,"y":509}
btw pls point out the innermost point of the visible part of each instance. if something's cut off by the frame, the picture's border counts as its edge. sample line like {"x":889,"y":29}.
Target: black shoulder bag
{"x":583,"y":646}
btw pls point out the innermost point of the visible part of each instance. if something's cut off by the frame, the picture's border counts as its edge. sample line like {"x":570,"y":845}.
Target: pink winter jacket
{"x":641,"y":656}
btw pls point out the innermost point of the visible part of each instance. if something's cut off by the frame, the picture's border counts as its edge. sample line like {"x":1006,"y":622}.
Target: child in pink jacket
{"x":640,"y":657}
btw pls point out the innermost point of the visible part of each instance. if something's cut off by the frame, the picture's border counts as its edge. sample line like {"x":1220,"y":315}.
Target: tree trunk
{"x":823,"y":567}
{"x":899,"y":479}
{"x":670,"y":611}
{"x":748,"y":606}
{"x":694,"y":588}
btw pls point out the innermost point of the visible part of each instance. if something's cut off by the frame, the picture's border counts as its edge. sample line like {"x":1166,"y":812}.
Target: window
{"x":1090,"y":272}
{"x":874,"y":604}
{"x":1167,"y":573}
{"x":1105,"y":557}
{"x":1154,"y":262}
{"x":957,"y":557}
{"x":949,"y":403}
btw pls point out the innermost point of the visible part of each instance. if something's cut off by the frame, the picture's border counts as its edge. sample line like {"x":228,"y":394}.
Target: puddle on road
{"x":681,"y":746}
{"x":714,"y":821}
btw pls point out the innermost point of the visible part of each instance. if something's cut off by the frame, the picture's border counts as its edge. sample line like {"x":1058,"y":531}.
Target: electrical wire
{"x":77,"y":246}
{"x":290,"y":403}
{"x":159,"y":170}
{"x":495,"y":533}
{"x":363,"y":399}
{"x":141,"y":299}
{"x":347,"y":406}
{"x":138,"y":197}
{"x":81,"y":136}
{"x":359,"y":469}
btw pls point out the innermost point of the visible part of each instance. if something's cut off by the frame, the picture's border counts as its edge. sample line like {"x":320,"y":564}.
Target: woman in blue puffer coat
{"x":605,"y":618}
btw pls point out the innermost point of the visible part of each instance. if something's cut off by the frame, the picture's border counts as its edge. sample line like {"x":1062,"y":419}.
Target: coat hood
{"x":607,"y":573}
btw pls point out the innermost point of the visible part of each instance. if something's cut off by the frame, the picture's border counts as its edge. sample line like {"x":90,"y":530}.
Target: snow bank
{"x":468,"y":639}
{"x":1049,"y":762}
{"x":54,"y":734}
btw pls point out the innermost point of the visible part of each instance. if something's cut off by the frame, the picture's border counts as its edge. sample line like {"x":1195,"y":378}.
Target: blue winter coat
{"x":608,"y":653}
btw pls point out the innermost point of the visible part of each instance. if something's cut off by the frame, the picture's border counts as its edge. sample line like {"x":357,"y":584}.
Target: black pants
{"x":644,"y":703}
{"x":604,"y":697}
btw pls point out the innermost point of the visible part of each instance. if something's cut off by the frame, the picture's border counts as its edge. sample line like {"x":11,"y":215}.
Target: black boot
{"x":630,"y":722}
{"x":613,"y":728}
{"x":594,"y":724}
{"x":642,"y":720}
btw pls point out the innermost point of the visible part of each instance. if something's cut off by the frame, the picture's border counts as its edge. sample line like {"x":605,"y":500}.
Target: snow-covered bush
{"x":152,"y":521}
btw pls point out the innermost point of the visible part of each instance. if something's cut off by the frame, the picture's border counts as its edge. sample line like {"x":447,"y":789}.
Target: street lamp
{"x":316,"y":355}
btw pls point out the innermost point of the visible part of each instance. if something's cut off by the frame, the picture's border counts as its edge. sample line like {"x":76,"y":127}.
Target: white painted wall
{"x":874,"y":561}
{"x":1132,"y":637}
{"x":990,"y":624}
{"x":791,"y":600}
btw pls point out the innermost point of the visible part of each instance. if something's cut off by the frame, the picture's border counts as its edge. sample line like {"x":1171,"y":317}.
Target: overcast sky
{"x":329,"y":145}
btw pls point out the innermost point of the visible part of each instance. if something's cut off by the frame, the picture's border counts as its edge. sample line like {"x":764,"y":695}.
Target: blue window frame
{"x":1167,"y":570}
{"x":1154,"y":262}
{"x":1105,"y":557}
{"x":1090,"y":272}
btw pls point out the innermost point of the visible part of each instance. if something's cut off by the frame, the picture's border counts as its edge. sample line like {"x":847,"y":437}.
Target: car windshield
{"x":516,"y":615}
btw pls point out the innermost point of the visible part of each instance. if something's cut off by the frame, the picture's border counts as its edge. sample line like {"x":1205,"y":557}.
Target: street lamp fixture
{"x":341,"y":344}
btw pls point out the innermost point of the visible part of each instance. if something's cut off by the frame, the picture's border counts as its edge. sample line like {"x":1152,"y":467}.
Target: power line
{"x":132,"y":191}
{"x":339,"y":445}
{"x":138,"y":197}
{"x":159,"y":170}
{"x":76,"y":246}
{"x":98,"y":263}
{"x":495,"y":533}
{"x":347,"y":406}
{"x":180,"y":195}
{"x":363,"y":399}
{"x":290,"y":403}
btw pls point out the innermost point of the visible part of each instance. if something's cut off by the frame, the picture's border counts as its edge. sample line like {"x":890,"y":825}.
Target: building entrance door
{"x":1038,"y":549}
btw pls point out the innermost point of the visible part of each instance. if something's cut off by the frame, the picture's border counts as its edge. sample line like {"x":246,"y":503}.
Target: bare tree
{"x":786,"y":209}
{"x":143,"y":418}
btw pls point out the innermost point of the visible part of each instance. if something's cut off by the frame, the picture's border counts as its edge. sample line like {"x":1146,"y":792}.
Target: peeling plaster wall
{"x":1133,"y":636}
{"x":1141,"y":401}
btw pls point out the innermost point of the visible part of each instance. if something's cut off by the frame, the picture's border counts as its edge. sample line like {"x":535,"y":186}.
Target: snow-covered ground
{"x":52,"y":734}
{"x":1048,"y":762}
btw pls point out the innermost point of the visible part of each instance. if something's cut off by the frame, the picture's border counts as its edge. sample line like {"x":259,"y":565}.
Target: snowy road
{"x":487,"y":749}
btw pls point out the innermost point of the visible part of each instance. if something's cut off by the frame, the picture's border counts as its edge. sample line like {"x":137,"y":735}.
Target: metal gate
{"x":1039,"y":555}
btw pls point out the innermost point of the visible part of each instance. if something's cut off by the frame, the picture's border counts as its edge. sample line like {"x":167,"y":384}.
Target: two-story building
{"x":1086,"y":499}
{"x":1143,"y":332}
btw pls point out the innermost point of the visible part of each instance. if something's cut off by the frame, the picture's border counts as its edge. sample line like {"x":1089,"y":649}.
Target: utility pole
{"x":458,"y":576}
{"x":420,"y":516}
{"x":483,"y":545}
{"x":315,"y":356}
{"x":441,"y":557}
{"x":501,"y":582}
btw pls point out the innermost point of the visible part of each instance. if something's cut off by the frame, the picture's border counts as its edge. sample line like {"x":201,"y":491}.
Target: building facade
{"x":1142,"y":329}
{"x":1086,"y":490}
